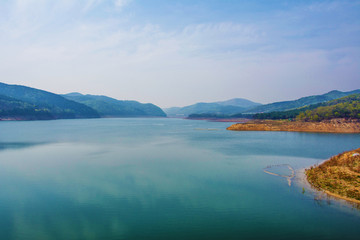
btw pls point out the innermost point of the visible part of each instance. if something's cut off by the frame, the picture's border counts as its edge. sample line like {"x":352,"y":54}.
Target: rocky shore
{"x":329,"y":126}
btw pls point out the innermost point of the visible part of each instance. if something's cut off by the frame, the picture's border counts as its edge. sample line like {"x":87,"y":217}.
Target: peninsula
{"x":336,"y":116}
{"x":339,"y":176}
{"x":326,"y":126}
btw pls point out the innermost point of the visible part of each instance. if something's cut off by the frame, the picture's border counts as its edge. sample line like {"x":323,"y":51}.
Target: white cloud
{"x":62,"y":47}
{"x":324,"y":6}
{"x":121,"y":3}
{"x":90,"y":4}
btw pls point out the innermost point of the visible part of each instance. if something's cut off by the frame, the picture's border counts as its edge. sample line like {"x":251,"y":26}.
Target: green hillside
{"x":39,"y":104}
{"x":11,"y":108}
{"x":110,"y":107}
{"x":289,"y":105}
{"x":345,"y":107}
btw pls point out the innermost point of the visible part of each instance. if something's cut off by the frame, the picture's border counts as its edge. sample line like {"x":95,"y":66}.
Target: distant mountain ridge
{"x":231,"y":106}
{"x":25,"y":103}
{"x":301,"y":102}
{"x":111,"y":107}
{"x":31,"y":103}
{"x":19,"y":102}
{"x":239,"y":102}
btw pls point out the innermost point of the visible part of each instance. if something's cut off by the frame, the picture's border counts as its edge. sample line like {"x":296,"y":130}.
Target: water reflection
{"x":18,"y":145}
{"x":124,"y":180}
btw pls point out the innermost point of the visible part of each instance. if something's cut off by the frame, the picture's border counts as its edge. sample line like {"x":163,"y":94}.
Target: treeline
{"x":345,"y":107}
{"x":110,"y":107}
{"x":290,"y":114}
{"x":16,"y":109}
{"x":25,"y":103}
{"x":12,"y":108}
{"x":341,"y":110}
{"x":26,"y":114}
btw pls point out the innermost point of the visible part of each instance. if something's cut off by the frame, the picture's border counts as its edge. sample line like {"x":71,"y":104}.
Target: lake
{"x":159,"y":178}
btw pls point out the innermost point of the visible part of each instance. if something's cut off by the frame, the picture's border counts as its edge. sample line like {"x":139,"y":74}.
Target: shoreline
{"x":301,"y":179}
{"x":329,"y":126}
{"x":329,"y":166}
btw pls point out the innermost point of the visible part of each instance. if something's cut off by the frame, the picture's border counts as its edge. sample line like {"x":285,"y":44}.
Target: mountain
{"x":239,"y":102}
{"x":110,"y":107}
{"x":289,"y":105}
{"x":30,"y":103}
{"x":345,"y":107}
{"x":231,"y":106}
{"x":11,"y":108}
{"x":199,"y":108}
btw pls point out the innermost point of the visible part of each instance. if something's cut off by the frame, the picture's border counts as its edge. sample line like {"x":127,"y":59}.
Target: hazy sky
{"x":175,"y":53}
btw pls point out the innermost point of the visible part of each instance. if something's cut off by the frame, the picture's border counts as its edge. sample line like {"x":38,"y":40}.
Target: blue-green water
{"x":163,"y":179}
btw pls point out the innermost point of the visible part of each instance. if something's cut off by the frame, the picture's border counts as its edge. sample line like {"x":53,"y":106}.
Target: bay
{"x":163,"y":179}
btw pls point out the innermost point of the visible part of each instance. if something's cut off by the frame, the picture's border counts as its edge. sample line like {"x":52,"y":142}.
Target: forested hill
{"x":301,"y":102}
{"x":345,"y":107}
{"x":11,"y":108}
{"x":110,"y":107}
{"x":20,"y":102}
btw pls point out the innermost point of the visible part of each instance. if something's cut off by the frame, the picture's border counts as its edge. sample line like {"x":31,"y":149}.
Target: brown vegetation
{"x":339,"y":176}
{"x":329,"y":126}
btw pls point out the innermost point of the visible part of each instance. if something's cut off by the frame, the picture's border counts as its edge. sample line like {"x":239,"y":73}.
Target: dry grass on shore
{"x":339,"y":176}
{"x":328,"y":126}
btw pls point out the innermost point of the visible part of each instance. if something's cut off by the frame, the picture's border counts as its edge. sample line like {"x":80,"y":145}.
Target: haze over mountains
{"x":25,"y":103}
{"x":231,"y":106}
{"x":247,"y":108}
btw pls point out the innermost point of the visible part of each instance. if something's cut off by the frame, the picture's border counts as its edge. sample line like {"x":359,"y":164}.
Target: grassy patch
{"x":339,"y":175}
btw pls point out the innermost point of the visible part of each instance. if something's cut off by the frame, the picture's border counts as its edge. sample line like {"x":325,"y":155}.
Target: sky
{"x":179,"y":52}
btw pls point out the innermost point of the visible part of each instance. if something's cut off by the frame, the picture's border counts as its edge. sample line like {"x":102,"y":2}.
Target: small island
{"x":339,"y":176}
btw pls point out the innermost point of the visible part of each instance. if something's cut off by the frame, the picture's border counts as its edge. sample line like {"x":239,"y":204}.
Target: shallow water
{"x":163,"y":179}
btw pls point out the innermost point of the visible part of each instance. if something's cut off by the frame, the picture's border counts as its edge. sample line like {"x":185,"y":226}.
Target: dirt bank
{"x":339,"y":176}
{"x":329,"y":126}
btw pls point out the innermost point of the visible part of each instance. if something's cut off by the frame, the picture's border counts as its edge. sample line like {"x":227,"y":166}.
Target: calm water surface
{"x":163,"y":179}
